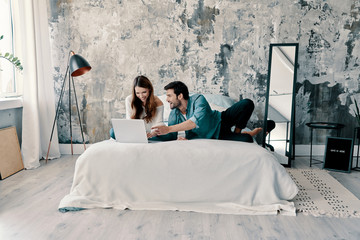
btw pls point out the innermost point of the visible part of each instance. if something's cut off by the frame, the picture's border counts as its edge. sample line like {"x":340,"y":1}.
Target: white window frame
{"x":17,"y":75}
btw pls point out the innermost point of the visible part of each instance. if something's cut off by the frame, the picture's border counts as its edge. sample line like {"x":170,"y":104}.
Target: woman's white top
{"x":157,"y":119}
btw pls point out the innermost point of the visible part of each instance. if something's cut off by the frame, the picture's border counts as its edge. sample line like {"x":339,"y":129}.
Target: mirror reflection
{"x":279,"y":108}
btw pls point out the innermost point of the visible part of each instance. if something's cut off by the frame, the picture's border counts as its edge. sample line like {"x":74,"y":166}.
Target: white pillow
{"x":167,"y":109}
{"x":219,"y":100}
{"x":216,"y":107}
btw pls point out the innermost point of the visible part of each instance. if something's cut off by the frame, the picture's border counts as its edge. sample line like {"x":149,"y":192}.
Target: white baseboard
{"x":77,"y":148}
{"x":304,"y":150}
{"x":300,"y":150}
{"x":318,"y":150}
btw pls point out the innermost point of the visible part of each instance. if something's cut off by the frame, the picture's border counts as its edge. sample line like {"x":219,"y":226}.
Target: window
{"x":7,"y":69}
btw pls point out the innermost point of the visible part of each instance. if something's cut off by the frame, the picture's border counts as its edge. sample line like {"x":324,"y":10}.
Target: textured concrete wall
{"x":213,"y":46}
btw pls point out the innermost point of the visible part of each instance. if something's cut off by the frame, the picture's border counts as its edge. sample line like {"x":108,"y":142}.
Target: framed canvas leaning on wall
{"x":10,"y":155}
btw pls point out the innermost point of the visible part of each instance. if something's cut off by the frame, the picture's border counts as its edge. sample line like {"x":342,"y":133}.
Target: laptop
{"x":129,"y":130}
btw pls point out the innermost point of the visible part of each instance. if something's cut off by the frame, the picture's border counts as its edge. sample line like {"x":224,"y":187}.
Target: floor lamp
{"x":76,"y":66}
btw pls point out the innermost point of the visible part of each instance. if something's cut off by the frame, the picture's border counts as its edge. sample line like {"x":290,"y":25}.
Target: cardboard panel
{"x":10,"y":155}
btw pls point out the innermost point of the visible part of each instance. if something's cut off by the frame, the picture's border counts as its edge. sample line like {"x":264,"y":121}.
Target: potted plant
{"x":11,"y":58}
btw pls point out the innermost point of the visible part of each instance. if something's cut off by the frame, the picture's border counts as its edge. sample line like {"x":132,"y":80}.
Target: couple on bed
{"x":191,"y":114}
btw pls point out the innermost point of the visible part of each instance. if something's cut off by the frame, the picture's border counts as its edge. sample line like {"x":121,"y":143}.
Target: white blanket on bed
{"x":211,"y":176}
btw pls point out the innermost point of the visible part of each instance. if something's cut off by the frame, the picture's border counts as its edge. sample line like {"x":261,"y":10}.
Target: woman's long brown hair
{"x":136,"y":103}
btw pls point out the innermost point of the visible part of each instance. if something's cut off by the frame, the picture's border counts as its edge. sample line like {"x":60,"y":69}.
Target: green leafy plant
{"x":11,"y":58}
{"x":357,"y":112}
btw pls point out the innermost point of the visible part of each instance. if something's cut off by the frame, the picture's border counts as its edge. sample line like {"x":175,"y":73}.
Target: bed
{"x":209,"y":176}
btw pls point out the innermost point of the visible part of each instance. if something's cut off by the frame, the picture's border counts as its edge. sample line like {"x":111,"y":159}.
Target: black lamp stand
{"x":71,"y":82}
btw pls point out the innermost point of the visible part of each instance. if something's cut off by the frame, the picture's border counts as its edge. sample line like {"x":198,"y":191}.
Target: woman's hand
{"x":151,"y":134}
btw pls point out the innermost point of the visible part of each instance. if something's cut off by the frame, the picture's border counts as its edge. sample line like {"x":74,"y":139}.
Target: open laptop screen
{"x":129,"y":130}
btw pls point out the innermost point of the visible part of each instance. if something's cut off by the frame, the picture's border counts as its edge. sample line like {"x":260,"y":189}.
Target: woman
{"x":143,"y":104}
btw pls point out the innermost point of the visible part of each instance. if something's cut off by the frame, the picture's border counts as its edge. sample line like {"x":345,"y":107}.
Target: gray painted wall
{"x":12,"y":117}
{"x":213,"y":46}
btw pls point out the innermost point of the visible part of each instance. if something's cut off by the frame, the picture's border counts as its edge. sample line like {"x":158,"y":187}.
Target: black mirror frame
{"x":291,"y":152}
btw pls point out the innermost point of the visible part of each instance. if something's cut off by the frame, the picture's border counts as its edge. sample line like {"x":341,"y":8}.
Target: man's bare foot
{"x":254,"y":132}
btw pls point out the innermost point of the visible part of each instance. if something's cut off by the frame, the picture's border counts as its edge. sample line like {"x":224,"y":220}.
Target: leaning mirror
{"x":279,"y":117}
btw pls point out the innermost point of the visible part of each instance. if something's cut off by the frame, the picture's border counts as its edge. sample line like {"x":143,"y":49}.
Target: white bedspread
{"x":210,"y":176}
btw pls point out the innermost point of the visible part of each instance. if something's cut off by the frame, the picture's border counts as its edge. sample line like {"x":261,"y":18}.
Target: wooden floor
{"x":29,"y":201}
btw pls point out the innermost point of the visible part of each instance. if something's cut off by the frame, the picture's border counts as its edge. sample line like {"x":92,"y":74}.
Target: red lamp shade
{"x":78,"y":65}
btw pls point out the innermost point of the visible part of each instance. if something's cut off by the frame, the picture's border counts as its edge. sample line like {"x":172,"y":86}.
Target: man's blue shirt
{"x":198,"y":110}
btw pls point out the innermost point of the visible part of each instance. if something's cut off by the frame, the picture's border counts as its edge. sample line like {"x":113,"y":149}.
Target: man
{"x":193,"y":115}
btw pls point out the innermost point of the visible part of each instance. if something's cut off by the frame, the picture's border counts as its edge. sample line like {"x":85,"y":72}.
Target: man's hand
{"x":161,"y":130}
{"x":184,"y":126}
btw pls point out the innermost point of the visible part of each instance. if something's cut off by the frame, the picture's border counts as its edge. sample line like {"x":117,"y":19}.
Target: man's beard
{"x":175,"y":104}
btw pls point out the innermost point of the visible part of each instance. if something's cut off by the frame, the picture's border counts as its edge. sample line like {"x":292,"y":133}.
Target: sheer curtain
{"x":33,"y":47}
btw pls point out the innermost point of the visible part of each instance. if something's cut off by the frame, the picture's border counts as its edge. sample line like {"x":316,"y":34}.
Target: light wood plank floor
{"x":29,"y":201}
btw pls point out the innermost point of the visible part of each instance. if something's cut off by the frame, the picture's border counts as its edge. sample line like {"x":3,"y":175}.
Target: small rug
{"x":322,"y":195}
